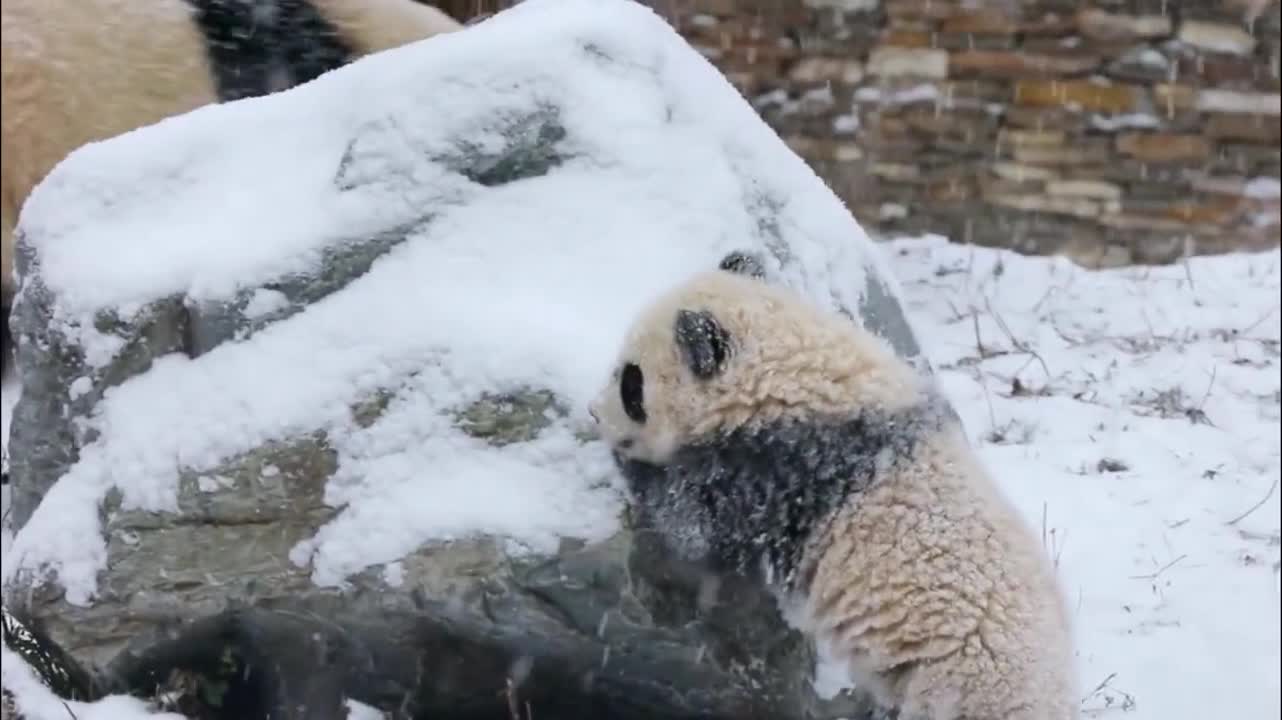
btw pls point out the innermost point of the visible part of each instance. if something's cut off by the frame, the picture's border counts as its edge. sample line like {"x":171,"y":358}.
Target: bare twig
{"x":1158,"y":573}
{"x":1018,"y":344}
{"x":1103,"y":684}
{"x":1209,"y":385}
{"x":1272,"y":489}
{"x":979,"y":341}
{"x":1242,"y":332}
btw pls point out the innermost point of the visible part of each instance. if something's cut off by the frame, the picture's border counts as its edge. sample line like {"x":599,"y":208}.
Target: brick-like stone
{"x":1140,"y":63}
{"x":972,"y":125}
{"x":827,"y":69}
{"x":722,"y":8}
{"x":1225,"y":72}
{"x":1159,"y":250}
{"x":895,"y":172}
{"x":1248,"y":11}
{"x":888,"y":61}
{"x":1230,"y":101}
{"x":991,"y":185}
{"x":971,"y":41}
{"x":845,"y":6}
{"x":920,"y":10}
{"x":1048,"y":24}
{"x":906,"y":38}
{"x":1101,"y":25}
{"x":1016,"y":172}
{"x":1164,"y":147}
{"x":753,"y":54}
{"x":1216,"y":37}
{"x":1036,"y":118}
{"x":1170,"y":98}
{"x":1204,"y":210}
{"x":1081,"y":94}
{"x":1132,"y":221}
{"x":964,"y":92}
{"x":953,"y":190}
{"x":1247,"y":160}
{"x":1167,"y":188}
{"x":747,"y":83}
{"x":981,"y":63}
{"x":993,"y":21}
{"x":1082,"y":152}
{"x":1094,"y":189}
{"x":1032,"y":138}
{"x":1207,"y":210}
{"x":806,"y":147}
{"x":1136,"y":174}
{"x":1076,"y":207}
{"x":1244,"y":128}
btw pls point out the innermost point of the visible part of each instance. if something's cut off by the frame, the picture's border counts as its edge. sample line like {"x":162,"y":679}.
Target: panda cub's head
{"x":726,"y":349}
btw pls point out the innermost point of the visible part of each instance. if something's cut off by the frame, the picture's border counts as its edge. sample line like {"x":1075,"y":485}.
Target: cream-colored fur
{"x":928,"y":583}
{"x":376,"y":25}
{"x":808,"y":363}
{"x":940,"y":597}
{"x":77,"y":71}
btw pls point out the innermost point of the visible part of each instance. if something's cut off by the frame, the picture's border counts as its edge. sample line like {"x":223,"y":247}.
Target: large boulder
{"x":326,"y":354}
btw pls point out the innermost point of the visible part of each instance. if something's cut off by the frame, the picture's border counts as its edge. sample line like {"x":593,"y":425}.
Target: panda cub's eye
{"x":631,"y":386}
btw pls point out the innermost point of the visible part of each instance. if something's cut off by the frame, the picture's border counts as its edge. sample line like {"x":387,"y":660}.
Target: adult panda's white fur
{"x":761,"y":435}
{"x":77,"y":71}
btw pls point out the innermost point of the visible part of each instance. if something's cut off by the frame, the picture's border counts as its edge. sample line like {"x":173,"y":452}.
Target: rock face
{"x":936,"y":86}
{"x":316,"y":363}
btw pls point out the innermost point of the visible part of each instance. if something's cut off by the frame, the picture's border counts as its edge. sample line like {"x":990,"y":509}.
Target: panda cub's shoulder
{"x":762,"y":435}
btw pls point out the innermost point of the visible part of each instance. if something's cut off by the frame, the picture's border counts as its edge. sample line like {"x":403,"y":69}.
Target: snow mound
{"x":1133,"y":417}
{"x":529,"y":183}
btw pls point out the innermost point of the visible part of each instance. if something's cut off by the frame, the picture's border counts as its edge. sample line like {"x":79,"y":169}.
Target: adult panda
{"x":763,"y":436}
{"x":77,"y":71}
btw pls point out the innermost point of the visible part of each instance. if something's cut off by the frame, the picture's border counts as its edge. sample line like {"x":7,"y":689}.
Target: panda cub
{"x":763,"y":436}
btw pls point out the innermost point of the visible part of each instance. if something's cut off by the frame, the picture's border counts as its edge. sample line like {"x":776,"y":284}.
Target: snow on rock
{"x":32,"y":700}
{"x":1133,"y":416}
{"x":406,"y":278}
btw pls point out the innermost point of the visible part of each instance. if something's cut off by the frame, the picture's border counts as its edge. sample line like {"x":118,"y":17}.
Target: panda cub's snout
{"x":608,"y":430}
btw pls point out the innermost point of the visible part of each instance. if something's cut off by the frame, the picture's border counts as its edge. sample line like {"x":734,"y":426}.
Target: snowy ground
{"x":1133,"y":415}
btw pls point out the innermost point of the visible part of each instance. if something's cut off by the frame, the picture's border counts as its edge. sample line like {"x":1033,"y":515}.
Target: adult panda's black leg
{"x":260,"y":47}
{"x":6,"y":340}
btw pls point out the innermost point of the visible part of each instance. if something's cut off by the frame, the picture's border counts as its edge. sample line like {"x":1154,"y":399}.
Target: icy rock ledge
{"x":329,"y":350}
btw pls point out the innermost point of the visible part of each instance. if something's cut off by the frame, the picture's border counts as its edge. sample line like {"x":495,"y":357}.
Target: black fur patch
{"x":6,"y":339}
{"x":704,"y":344}
{"x":257,"y":47}
{"x":759,"y":494}
{"x":742,"y":263}
{"x":632,"y":392}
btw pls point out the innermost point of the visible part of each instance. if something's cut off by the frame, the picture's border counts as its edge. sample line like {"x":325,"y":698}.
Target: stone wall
{"x":1112,"y":131}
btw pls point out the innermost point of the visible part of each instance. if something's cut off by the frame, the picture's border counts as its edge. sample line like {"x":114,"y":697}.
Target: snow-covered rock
{"x":337,"y":342}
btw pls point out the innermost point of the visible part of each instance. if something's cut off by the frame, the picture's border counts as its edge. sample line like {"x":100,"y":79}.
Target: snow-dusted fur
{"x":77,"y":71}
{"x":762,"y":435}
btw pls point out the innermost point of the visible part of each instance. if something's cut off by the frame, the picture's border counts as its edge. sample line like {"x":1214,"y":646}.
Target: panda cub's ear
{"x":742,"y":263}
{"x":704,"y":343}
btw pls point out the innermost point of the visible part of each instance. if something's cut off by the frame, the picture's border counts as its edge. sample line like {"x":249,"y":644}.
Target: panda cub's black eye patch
{"x":631,"y":392}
